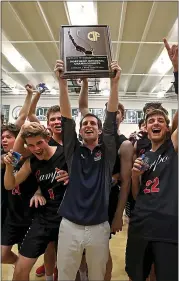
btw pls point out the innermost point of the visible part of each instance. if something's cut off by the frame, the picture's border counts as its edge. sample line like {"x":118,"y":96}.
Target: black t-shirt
{"x":53,"y":191}
{"x":155,"y":215}
{"x":19,"y":211}
{"x":52,"y":142}
{"x":143,"y":145}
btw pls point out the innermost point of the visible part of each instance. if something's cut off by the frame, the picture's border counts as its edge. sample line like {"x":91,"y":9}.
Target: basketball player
{"x":44,"y":166}
{"x":7,"y":141}
{"x":54,"y":124}
{"x":19,"y":214}
{"x":153,"y":226}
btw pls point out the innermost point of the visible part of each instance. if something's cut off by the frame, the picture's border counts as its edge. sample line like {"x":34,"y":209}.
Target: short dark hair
{"x":154,"y":105}
{"x":52,"y":109}
{"x":12,"y":128}
{"x":92,"y":115}
{"x":141,"y":122}
{"x":155,"y":112}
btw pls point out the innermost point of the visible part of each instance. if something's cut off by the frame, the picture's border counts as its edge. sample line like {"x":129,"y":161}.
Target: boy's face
{"x":54,"y":122}
{"x":38,"y":146}
{"x":89,"y":130}
{"x":7,"y":140}
{"x":157,"y":128}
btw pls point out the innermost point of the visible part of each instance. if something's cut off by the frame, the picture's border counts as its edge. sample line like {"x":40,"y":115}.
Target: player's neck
{"x":57,"y":138}
{"x":156,"y":145}
{"x":50,"y":152}
{"x":91,"y":145}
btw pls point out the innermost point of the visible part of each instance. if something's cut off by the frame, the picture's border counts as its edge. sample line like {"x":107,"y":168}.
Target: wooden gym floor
{"x":117,"y":246}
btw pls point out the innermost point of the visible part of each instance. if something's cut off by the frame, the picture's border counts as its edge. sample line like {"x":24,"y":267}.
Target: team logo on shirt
{"x":49,"y":176}
{"x":157,"y":162}
{"x":97,"y":156}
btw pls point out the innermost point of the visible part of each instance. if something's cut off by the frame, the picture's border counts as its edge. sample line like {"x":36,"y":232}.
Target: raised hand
{"x":115,"y":68}
{"x":29,"y":88}
{"x":80,"y":81}
{"x":172,"y":53}
{"x":59,"y":69}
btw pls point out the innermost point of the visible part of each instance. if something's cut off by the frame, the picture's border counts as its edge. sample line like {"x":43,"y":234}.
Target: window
{"x":5,"y":112}
{"x":132,"y":116}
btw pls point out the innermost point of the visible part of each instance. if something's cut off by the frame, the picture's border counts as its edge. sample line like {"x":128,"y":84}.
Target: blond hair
{"x":34,"y":129}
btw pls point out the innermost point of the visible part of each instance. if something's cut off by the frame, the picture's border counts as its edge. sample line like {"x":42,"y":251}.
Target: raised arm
{"x":25,"y":108}
{"x":112,"y":105}
{"x":32,"y":116}
{"x":83,"y":97}
{"x":174,"y":138}
{"x":11,"y":180}
{"x":109,"y":127}
{"x":19,"y":144}
{"x":65,"y":106}
{"x":173,"y":55}
{"x":68,"y":124}
{"x":175,"y":122}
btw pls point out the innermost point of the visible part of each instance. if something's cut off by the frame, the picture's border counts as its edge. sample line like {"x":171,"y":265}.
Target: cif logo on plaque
{"x":93,"y":36}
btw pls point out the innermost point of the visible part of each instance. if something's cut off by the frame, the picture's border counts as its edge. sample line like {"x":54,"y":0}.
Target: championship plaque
{"x":86,"y":51}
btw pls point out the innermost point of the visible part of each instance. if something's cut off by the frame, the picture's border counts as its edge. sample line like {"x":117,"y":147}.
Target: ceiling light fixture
{"x":161,"y":94}
{"x":14,"y":57}
{"x":82,"y":13}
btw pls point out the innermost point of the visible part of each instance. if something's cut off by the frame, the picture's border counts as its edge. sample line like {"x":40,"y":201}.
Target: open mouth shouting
{"x":88,"y":132}
{"x":39,"y":153}
{"x":58,"y":127}
{"x":5,"y":147}
{"x":156,"y":131}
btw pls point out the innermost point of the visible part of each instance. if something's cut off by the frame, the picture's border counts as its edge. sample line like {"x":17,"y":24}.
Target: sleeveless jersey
{"x":155,"y":216}
{"x":53,"y":191}
{"x":19,"y":211}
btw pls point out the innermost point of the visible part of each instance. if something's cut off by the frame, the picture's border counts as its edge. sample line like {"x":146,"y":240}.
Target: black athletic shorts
{"x":141,"y":254}
{"x":13,"y":233}
{"x":37,"y":239}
